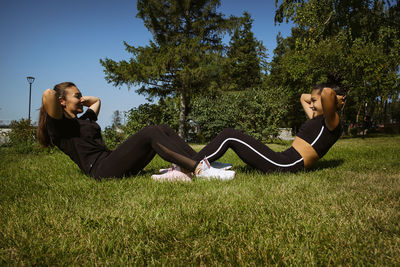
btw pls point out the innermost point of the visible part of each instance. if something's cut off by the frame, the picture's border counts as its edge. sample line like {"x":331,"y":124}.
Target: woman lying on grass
{"x":312,"y":142}
{"x":80,"y":138}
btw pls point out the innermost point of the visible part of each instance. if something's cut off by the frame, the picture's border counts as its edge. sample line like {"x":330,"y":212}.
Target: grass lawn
{"x":344,"y":211}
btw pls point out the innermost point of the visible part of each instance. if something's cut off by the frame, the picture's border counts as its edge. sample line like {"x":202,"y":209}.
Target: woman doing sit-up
{"x":312,"y":142}
{"x":80,"y":138}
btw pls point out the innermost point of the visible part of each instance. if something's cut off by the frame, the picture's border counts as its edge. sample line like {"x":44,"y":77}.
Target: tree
{"x":356,"y":41}
{"x":182,"y":60}
{"x":117,"y":119}
{"x":246,"y":57}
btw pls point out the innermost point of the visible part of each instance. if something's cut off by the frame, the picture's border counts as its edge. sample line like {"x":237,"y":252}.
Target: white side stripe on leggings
{"x":261,"y":155}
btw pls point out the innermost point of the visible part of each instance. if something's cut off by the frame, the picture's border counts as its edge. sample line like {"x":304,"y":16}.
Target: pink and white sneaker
{"x":173,"y":174}
{"x":214,"y":164}
{"x":173,"y":167}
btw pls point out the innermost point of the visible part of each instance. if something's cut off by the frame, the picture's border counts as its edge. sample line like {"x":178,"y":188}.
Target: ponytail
{"x":42,"y":133}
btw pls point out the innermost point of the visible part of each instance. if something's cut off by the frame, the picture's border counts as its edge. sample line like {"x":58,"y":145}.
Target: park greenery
{"x":344,"y":211}
{"x":201,"y":85}
{"x":355,"y":43}
{"x":22,"y":137}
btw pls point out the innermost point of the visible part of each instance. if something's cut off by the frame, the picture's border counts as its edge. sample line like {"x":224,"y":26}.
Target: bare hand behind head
{"x":340,"y":101}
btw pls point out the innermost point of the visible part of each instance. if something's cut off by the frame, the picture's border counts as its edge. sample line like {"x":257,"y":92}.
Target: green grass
{"x":345,"y":211}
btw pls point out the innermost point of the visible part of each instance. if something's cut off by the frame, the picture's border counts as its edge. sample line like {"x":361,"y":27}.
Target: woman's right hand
{"x":305,"y":100}
{"x":51,"y":104}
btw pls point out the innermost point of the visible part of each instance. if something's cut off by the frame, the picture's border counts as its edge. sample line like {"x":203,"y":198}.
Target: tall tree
{"x":182,"y":60}
{"x":246,"y":57}
{"x":116,"y":119}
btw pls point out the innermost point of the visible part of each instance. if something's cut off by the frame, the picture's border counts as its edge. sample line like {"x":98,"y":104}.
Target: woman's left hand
{"x":92,"y":102}
{"x":340,"y":101}
{"x":86,"y":101}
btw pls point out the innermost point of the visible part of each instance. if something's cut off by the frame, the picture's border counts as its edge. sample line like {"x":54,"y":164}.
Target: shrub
{"x":113,"y":137}
{"x":261,"y":112}
{"x":165,"y":112}
{"x":257,"y":112}
{"x":354,"y":131}
{"x":214,"y":113}
{"x":23,"y":136}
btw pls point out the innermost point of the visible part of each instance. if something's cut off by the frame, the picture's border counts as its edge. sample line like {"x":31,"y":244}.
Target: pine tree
{"x":246,"y":56}
{"x":182,"y":60}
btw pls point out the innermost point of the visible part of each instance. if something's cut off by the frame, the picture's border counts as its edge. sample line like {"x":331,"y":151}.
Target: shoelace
{"x":199,"y":168}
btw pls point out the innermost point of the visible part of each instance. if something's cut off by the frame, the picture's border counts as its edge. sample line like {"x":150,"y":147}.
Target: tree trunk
{"x":385,"y":120}
{"x":359,"y":112}
{"x":182,"y":115}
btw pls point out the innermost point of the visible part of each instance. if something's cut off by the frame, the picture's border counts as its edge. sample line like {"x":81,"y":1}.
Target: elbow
{"x":305,"y":98}
{"x":48,"y":93}
{"x":328,"y":92}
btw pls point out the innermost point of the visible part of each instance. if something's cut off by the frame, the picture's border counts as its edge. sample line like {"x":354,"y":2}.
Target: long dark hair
{"x":42,"y":133}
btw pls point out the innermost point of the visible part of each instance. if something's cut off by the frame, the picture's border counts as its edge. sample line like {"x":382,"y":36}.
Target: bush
{"x":23,"y":136}
{"x":261,"y":112}
{"x":165,"y":112}
{"x":257,"y":112}
{"x":213,"y":114}
{"x":354,"y":131}
{"x":113,"y":137}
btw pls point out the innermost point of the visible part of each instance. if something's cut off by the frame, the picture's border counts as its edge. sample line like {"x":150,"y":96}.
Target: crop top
{"x":316,"y":133}
{"x":79,"y":138}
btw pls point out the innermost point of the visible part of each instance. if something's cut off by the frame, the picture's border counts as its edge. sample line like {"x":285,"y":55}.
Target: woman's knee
{"x":165,"y":128}
{"x":150,"y":131}
{"x":230,"y":132}
{"x":151,"y":128}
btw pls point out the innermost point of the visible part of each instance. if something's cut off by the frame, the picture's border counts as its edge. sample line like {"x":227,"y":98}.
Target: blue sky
{"x":57,"y":41}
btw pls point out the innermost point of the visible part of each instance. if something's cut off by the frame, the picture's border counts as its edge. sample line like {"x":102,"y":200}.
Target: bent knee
{"x":165,"y":128}
{"x":151,"y":128}
{"x":230,"y":132}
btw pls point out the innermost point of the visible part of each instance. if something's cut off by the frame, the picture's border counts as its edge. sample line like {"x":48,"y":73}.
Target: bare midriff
{"x":306,"y":151}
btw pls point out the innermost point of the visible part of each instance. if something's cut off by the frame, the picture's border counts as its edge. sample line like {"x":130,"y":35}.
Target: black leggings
{"x":252,"y":152}
{"x":138,"y":150}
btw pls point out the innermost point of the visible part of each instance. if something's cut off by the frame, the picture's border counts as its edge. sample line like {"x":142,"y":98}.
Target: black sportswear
{"x":79,"y":138}
{"x":316,"y":133}
{"x":252,"y":152}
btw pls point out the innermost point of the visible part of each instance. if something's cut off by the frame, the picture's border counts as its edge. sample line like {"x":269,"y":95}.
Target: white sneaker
{"x":208,"y":172}
{"x":220,"y":165}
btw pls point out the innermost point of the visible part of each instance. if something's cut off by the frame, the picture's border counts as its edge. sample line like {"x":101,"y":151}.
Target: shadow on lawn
{"x":326,"y":164}
{"x":320,"y":165}
{"x":246,"y":169}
